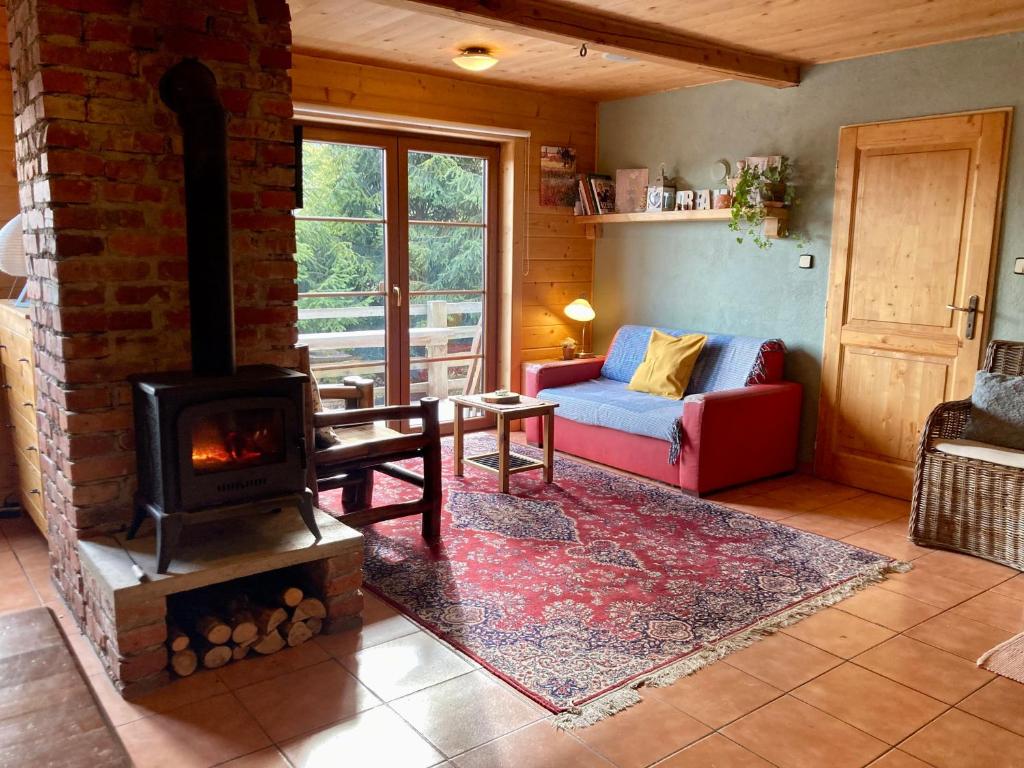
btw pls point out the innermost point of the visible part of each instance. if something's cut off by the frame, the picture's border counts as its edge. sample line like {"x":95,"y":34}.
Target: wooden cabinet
{"x":20,"y":477}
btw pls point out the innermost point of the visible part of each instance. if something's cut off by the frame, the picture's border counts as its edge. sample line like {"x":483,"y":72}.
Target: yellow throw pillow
{"x":668,"y":364}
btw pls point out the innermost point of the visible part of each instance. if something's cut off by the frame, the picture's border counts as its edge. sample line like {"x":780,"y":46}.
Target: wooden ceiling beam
{"x":611,"y":33}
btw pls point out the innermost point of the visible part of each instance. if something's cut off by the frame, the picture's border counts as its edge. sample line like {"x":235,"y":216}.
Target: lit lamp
{"x":581,"y":311}
{"x":12,"y":255}
{"x":475,"y":59}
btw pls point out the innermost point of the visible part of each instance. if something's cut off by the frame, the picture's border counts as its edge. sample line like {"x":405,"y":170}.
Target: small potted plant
{"x":568,"y":348}
{"x":755,"y":190}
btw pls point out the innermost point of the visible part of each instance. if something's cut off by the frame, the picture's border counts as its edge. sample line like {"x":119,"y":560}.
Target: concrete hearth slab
{"x":212,"y":554}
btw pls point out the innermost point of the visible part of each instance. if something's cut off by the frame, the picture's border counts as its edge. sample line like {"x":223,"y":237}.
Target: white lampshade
{"x":580,"y":311}
{"x":475,"y":59}
{"x":12,"y":249}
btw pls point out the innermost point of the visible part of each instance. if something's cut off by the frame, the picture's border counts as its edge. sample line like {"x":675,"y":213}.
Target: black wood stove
{"x":219,"y":441}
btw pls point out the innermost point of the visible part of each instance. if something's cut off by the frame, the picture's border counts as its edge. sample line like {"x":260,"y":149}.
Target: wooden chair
{"x":364,"y":444}
{"x":968,"y":504}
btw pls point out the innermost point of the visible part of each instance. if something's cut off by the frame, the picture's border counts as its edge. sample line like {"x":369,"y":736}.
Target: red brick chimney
{"x":100,"y":175}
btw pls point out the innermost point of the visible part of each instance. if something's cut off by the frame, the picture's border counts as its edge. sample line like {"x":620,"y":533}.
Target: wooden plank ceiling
{"x":806,"y":31}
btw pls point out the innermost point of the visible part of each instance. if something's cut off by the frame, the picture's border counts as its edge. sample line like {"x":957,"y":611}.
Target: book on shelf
{"x":586,"y":199}
{"x":602,"y":188}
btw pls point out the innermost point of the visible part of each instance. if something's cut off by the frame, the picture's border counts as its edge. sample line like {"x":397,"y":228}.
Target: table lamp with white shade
{"x":581,"y":311}
{"x":12,"y":255}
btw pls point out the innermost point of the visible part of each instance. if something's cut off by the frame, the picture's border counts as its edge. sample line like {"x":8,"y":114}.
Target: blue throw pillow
{"x":997,"y":410}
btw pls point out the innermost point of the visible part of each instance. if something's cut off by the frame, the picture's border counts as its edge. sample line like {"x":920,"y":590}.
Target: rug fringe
{"x":622,"y":698}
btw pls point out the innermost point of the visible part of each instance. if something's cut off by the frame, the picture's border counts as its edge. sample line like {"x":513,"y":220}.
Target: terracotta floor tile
{"x":957,"y":634}
{"x":1000,"y":702}
{"x":405,"y":665}
{"x":895,"y":545}
{"x":805,"y":497}
{"x":839,"y":633}
{"x":824,"y":524}
{"x":761,"y":506}
{"x":642,"y":734}
{"x":930,"y":587}
{"x":928,"y":670}
{"x":302,"y":701}
{"x":869,"y":508}
{"x":898,"y":759}
{"x":467,"y":711}
{"x":381,"y":623}
{"x":783,"y":661}
{"x":540,"y":745}
{"x":714,"y":751}
{"x":1011,"y":587}
{"x":724,"y":497}
{"x":792,"y":734}
{"x":874,"y":704}
{"x":270,"y":757}
{"x":17,"y":593}
{"x":959,"y":740}
{"x":965,"y":568}
{"x":202,"y":685}
{"x":887,"y":608}
{"x":995,"y":609}
{"x":377,"y":738}
{"x":258,"y":668}
{"x":201,"y":734}
{"x":716,"y":695}
{"x":899,"y":527}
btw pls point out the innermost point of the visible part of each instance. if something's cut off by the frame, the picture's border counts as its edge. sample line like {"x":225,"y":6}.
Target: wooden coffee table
{"x":503,"y":461}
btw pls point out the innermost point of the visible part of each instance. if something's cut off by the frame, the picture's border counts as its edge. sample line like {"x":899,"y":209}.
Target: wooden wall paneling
{"x":548,"y":258}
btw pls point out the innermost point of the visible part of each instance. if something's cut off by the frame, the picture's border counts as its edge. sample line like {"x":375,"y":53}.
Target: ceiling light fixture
{"x":475,"y":59}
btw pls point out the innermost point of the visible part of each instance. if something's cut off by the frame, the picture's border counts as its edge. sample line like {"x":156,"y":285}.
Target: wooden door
{"x":916,"y":220}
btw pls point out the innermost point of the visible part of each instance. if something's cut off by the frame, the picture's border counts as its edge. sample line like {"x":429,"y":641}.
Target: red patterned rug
{"x":579,"y":592}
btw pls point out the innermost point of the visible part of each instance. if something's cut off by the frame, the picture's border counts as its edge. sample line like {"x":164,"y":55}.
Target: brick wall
{"x":100,"y":180}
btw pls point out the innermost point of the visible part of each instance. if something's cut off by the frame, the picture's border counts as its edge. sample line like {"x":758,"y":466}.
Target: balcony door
{"x":397,"y":257}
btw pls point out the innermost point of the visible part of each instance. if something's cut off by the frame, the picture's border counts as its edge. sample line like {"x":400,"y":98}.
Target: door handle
{"x":972,"y":314}
{"x":397,"y":292}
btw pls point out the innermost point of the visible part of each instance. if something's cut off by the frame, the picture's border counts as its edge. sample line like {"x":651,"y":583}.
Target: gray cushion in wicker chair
{"x":997,"y":410}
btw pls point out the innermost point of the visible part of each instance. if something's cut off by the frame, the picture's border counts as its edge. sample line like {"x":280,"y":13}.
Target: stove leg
{"x":306,"y":510}
{"x":138,"y":516}
{"x":168,"y":530}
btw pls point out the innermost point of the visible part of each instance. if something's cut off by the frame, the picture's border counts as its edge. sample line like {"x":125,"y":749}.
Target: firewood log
{"x":184,"y":662}
{"x":315,"y":625}
{"x":177,"y":640}
{"x":268,"y":618}
{"x":213,"y":656}
{"x":309,"y":608}
{"x":213,"y":629}
{"x":295,"y":632}
{"x":270,"y":643}
{"x":243,"y":626}
{"x":239,"y":652}
{"x":289,"y":596}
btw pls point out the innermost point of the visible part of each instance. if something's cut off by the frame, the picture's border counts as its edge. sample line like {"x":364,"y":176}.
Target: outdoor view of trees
{"x":341,"y":241}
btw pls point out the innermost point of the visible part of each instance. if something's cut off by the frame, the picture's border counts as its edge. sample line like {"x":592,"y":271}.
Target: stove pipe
{"x":189,"y":88}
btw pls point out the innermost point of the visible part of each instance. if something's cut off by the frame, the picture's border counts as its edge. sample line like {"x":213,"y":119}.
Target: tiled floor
{"x":886,"y":679}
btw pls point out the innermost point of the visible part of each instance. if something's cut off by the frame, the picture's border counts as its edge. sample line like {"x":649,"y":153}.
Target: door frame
{"x":843,"y":222}
{"x":396,"y":145}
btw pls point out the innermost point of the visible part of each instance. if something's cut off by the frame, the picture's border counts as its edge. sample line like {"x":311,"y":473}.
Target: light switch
{"x":806,"y":261}
{"x":1018,"y":267}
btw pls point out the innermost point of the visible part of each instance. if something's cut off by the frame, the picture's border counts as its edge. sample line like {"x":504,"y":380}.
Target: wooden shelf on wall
{"x":774,"y":224}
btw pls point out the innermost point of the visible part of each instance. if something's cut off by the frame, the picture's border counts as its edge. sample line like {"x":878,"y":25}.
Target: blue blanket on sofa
{"x":726,"y":362}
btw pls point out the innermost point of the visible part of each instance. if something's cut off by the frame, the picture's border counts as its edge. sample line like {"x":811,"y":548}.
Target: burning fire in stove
{"x":237,"y":440}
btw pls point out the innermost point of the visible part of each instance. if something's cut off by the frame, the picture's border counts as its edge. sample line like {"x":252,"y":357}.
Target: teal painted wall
{"x":696,"y":276}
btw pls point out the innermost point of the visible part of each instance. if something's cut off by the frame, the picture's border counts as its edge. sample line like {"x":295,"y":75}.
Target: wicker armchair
{"x":966,"y":504}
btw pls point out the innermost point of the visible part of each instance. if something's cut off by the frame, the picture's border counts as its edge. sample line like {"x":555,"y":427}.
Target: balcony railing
{"x":333,"y":354}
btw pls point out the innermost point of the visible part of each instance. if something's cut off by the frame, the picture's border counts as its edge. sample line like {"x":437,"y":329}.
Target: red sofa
{"x":728,"y":437}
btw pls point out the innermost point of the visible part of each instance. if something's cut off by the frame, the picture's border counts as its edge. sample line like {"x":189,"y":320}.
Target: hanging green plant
{"x":755,"y":191}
